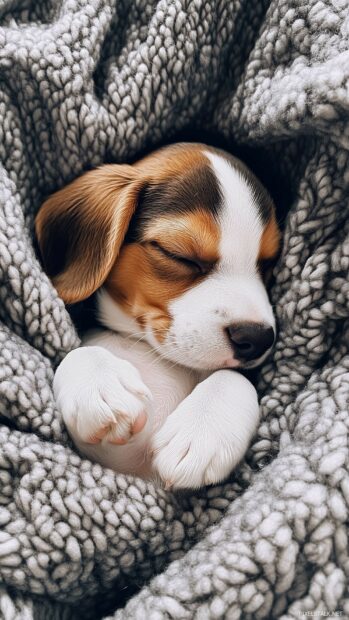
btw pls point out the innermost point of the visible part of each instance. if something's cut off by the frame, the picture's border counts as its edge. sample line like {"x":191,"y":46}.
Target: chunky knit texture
{"x":88,"y":81}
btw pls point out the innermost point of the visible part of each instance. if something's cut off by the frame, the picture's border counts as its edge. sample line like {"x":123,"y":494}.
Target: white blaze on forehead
{"x":240,"y":222}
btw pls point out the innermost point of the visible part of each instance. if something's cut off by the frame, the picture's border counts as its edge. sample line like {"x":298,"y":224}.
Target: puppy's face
{"x":187,"y":273}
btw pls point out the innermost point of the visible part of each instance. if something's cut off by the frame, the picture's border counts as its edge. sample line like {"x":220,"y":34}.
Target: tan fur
{"x":270,"y":241}
{"x":193,"y":235}
{"x":136,"y":281}
{"x":171,"y":161}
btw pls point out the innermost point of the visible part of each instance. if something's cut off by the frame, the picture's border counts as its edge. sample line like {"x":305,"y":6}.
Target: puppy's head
{"x":178,"y":241}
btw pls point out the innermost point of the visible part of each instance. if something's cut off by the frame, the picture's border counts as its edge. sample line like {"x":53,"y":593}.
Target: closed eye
{"x":195,"y":264}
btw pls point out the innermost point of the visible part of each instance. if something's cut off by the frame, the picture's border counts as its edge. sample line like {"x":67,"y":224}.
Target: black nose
{"x":250,"y":340}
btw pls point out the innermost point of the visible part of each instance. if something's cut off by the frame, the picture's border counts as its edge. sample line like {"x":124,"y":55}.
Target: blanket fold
{"x":84,"y":82}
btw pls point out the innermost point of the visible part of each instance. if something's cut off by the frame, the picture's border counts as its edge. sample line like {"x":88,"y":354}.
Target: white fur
{"x":201,"y":418}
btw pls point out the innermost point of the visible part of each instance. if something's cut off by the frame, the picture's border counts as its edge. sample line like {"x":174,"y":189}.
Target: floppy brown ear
{"x":81,"y":228}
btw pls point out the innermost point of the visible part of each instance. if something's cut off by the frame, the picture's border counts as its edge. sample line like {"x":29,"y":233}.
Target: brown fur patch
{"x":269,"y":248}
{"x":144,"y":280}
{"x":270,"y":241}
{"x":171,"y":161}
{"x":193,"y":235}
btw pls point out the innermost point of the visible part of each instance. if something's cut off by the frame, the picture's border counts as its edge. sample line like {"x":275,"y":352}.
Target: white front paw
{"x":202,"y":441}
{"x":101,"y":397}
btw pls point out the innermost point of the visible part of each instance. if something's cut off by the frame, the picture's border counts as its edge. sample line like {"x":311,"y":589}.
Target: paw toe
{"x":98,"y":435}
{"x":139,"y":423}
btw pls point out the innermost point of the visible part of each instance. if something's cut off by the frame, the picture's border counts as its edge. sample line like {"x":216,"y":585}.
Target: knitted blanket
{"x":84,"y":82}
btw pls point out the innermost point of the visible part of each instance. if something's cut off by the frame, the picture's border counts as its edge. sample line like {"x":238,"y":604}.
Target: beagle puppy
{"x":173,"y":246}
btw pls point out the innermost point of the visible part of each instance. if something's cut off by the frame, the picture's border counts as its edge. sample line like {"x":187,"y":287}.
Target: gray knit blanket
{"x":84,"y":82}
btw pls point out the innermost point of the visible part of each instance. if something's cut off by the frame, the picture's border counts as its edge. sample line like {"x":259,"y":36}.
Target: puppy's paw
{"x":205,"y":438}
{"x":100,"y":396}
{"x":184,"y":457}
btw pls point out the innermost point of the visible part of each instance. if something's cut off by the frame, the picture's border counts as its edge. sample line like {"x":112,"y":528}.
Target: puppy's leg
{"x":100,"y":396}
{"x":208,"y":433}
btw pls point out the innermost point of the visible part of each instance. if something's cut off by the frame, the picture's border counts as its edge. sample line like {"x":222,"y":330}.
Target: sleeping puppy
{"x":174,"y":248}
